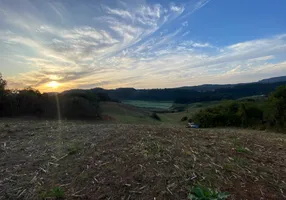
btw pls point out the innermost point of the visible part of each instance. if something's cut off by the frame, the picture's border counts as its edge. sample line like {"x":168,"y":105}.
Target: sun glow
{"x":53,"y":84}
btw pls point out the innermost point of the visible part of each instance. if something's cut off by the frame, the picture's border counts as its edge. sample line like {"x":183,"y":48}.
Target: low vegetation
{"x":155,"y":116}
{"x":55,"y":193}
{"x":259,"y":114}
{"x":150,"y":104}
{"x":203,"y":193}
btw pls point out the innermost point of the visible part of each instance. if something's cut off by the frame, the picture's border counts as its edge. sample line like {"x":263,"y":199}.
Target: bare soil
{"x":119,"y":161}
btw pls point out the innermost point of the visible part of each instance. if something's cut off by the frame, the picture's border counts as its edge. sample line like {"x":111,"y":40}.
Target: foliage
{"x":276,"y":112}
{"x":203,"y":193}
{"x":231,"y":113}
{"x":73,"y":149}
{"x":30,"y":102}
{"x":241,"y":149}
{"x":56,"y":192}
{"x":3,"y":83}
{"x":79,"y":107}
{"x":185,"y":118}
{"x":155,"y":116}
{"x":270,"y":113}
{"x":187,"y":95}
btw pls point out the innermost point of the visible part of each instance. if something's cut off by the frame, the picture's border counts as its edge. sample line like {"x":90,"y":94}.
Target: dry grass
{"x":115,"y":161}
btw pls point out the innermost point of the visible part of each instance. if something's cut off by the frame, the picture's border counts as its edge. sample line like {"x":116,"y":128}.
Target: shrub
{"x":56,"y":193}
{"x":276,"y":108}
{"x":203,"y":193}
{"x":155,"y":116}
{"x":79,"y":108}
{"x":232,"y":113}
{"x":185,"y":118}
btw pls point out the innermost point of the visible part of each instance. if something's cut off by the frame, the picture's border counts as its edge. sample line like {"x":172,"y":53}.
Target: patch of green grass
{"x":56,"y":193}
{"x":241,"y":149}
{"x":73,"y":149}
{"x":204,"y":193}
{"x":150,"y":104}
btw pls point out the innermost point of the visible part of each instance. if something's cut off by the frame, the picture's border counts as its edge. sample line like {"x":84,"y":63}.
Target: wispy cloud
{"x":127,"y":45}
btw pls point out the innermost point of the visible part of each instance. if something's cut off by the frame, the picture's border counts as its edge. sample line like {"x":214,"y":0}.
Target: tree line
{"x":187,"y":95}
{"x":78,"y":104}
{"x":270,"y":113}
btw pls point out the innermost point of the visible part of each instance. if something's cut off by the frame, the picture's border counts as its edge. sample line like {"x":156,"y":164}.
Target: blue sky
{"x":141,"y":44}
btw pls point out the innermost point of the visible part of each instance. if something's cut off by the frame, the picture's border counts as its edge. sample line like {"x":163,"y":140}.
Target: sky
{"x":55,"y":45}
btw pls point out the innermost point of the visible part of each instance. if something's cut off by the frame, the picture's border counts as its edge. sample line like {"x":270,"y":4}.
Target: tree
{"x":277,"y":101}
{"x":3,"y":83}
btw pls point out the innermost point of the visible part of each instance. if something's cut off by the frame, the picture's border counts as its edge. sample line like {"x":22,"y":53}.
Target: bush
{"x":185,"y":118}
{"x":204,"y":193}
{"x":263,"y":114}
{"x":276,"y":108}
{"x":155,"y":116}
{"x":239,"y":114}
{"x":79,"y":108}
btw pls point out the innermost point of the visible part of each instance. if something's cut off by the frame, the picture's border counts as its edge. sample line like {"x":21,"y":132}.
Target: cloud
{"x":175,"y":8}
{"x":130,"y":45}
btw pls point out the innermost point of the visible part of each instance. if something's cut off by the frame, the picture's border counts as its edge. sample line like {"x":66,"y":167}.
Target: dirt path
{"x":114,"y":161}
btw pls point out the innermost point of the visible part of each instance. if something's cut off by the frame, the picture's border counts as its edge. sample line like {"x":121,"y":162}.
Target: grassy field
{"x":125,"y":113}
{"x":150,"y":104}
{"x":80,"y":160}
{"x":189,"y":111}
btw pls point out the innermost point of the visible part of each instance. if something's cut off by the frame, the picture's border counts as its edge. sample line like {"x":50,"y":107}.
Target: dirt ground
{"x":85,"y":160}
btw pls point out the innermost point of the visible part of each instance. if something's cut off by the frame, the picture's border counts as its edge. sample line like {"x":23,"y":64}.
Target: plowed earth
{"x":118,"y":161}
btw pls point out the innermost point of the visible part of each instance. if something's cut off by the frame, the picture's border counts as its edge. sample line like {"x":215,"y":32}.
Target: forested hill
{"x":192,"y":94}
{"x":273,"y":80}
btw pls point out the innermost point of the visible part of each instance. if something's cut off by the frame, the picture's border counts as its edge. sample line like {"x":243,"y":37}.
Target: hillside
{"x":192,"y":94}
{"x":122,"y":113}
{"x":80,"y":160}
{"x":273,"y":80}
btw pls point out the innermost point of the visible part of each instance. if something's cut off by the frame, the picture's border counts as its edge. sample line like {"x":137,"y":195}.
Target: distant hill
{"x":189,"y":94}
{"x":273,"y":80}
{"x":207,"y":87}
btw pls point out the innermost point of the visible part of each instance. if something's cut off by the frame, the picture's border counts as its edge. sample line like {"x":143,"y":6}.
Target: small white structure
{"x":192,"y":125}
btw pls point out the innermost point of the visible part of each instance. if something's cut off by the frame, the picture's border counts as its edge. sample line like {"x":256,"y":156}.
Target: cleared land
{"x":80,"y":160}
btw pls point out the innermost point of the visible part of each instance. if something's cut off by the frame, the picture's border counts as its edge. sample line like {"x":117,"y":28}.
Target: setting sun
{"x":53,"y":84}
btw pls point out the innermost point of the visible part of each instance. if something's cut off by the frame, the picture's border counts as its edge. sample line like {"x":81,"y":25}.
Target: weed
{"x":155,"y":116}
{"x":203,"y":193}
{"x":73,"y":149}
{"x":185,"y":118}
{"x":240,"y":149}
{"x":56,"y":192}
